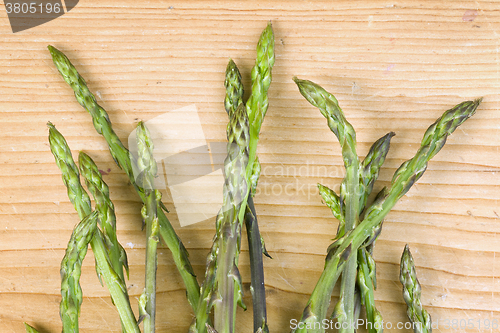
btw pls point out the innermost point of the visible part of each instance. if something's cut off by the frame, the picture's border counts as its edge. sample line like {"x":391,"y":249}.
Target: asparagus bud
{"x":71,"y":270}
{"x":412,"y":292}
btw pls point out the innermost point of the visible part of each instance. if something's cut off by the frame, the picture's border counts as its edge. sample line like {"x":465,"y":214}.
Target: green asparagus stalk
{"x":258,"y":102}
{"x":368,"y":174}
{"x":228,"y":280}
{"x":366,"y":278}
{"x":30,"y":329}
{"x":261,"y":76}
{"x":409,"y":172}
{"x":122,"y":157}
{"x":222,"y":284}
{"x":366,"y":283}
{"x":71,"y":270}
{"x":370,"y":167}
{"x":80,"y":199}
{"x":257,"y":106}
{"x":147,"y":165}
{"x":100,"y":192}
{"x":412,"y":292}
{"x":207,"y":290}
{"x":329,"y":108}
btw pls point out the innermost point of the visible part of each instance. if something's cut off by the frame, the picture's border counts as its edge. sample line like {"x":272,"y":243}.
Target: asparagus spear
{"x":257,"y":106}
{"x":256,"y":109}
{"x":412,"y":292}
{"x":100,"y":191}
{"x":258,"y":101}
{"x":222,"y":284}
{"x":80,"y":199}
{"x":370,"y":167}
{"x":147,"y":166}
{"x":235,"y":191}
{"x":329,"y":108}
{"x":366,"y":279}
{"x":409,"y":172}
{"x":366,"y":283}
{"x":122,"y":157}
{"x":71,"y":270}
{"x":207,"y":290}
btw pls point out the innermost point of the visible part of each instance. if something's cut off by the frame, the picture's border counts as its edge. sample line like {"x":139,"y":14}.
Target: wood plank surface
{"x":393,"y":66}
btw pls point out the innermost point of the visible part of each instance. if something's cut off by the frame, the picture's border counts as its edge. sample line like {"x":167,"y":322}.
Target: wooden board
{"x":393,"y":65}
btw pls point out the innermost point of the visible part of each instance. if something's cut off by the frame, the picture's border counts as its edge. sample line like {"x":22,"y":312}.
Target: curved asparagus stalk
{"x":404,"y":178}
{"x":329,"y":108}
{"x":80,"y":199}
{"x":71,"y":270}
{"x":122,"y":157}
{"x":412,"y":292}
{"x":147,"y":166}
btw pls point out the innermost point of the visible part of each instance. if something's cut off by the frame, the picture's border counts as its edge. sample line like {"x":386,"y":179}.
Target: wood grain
{"x":393,"y":65}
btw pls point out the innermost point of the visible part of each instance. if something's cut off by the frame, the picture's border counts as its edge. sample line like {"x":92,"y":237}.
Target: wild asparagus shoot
{"x":349,"y":241}
{"x":122,"y":157}
{"x":147,"y":168}
{"x":412,"y":292}
{"x":81,"y":201}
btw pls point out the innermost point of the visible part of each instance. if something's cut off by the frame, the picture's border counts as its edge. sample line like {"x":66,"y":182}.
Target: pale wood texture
{"x":393,"y":65}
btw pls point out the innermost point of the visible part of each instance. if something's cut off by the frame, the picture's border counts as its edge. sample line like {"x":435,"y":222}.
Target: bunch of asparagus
{"x":351,"y":254}
{"x":98,"y":228}
{"x":222,"y":285}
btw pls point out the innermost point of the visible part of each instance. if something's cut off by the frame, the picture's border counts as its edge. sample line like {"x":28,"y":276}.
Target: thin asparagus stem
{"x":147,"y":166}
{"x":71,"y":270}
{"x":409,"y":172}
{"x":329,"y":108}
{"x":80,"y":199}
{"x":412,"y":292}
{"x":258,"y":289}
{"x":122,"y":157}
